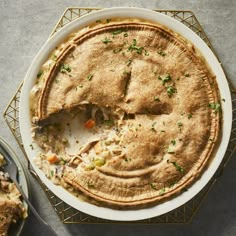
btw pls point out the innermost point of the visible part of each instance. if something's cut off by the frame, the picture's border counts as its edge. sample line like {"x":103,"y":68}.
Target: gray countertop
{"x":25,"y":26}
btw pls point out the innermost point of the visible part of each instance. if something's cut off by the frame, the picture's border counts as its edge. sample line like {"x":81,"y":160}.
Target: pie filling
{"x":125,"y":112}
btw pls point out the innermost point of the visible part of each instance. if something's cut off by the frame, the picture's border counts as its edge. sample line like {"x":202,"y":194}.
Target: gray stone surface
{"x":24,"y":27}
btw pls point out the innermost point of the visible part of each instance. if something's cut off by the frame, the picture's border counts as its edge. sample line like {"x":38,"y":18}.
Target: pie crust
{"x":160,"y":95}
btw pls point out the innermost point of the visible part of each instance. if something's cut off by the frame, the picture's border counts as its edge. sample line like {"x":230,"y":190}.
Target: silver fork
{"x":11,"y":168}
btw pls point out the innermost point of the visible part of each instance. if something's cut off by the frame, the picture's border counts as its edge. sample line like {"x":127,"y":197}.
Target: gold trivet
{"x":66,"y":213}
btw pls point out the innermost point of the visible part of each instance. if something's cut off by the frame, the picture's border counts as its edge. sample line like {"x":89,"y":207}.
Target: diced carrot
{"x":52,"y":159}
{"x":89,"y":124}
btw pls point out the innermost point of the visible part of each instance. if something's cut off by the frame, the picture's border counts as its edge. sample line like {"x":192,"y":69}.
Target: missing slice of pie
{"x":146,"y":111}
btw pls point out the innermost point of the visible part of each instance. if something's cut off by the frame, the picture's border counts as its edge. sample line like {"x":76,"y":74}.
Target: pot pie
{"x":125,"y":112}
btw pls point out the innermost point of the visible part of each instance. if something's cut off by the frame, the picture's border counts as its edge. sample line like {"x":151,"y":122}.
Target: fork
{"x":11,"y":168}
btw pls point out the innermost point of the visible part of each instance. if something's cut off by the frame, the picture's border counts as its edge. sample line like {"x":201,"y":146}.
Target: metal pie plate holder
{"x":68,"y":214}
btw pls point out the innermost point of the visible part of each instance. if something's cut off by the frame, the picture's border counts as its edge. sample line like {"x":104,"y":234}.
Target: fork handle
{"x":50,"y":231}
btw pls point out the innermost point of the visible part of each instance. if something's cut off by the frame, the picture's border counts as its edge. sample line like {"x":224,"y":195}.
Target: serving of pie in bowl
{"x":125,"y":110}
{"x":13,"y":210}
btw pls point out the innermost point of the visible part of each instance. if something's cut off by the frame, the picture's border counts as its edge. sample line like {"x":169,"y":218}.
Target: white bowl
{"x":25,"y":123}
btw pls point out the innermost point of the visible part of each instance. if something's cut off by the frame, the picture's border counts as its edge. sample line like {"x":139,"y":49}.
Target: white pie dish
{"x":126,"y":215}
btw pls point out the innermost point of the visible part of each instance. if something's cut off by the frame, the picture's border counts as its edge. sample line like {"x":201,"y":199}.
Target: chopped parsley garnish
{"x":187,"y":75}
{"x":39,"y":73}
{"x":178,"y":167}
{"x":153,"y":127}
{"x":98,"y":21}
{"x":160,"y":52}
{"x":179,"y":123}
{"x":223,"y":99}
{"x":52,"y":173}
{"x":170,"y":90}
{"x":215,"y":106}
{"x":163,"y":131}
{"x":153,"y":186}
{"x":173,"y":142}
{"x":106,"y":40}
{"x":171,"y":185}
{"x":117,"y":50}
{"x":189,"y":116}
{"x":119,"y":31}
{"x":127,"y":159}
{"x":63,"y":161}
{"x":129,"y":62}
{"x":157,"y":99}
{"x":81,"y":86}
{"x":162,"y":191}
{"x":146,"y":53}
{"x":108,"y":20}
{"x":134,"y":47}
{"x":164,"y":78}
{"x":89,"y":77}
{"x":125,"y":34}
{"x":65,"y":68}
{"x":170,"y":150}
{"x":109,"y":122}
{"x":54,"y":57}
{"x":32,"y":147}
{"x":90,"y":185}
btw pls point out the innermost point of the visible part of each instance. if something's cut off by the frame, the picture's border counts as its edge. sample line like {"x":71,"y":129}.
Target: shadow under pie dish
{"x":126,"y":112}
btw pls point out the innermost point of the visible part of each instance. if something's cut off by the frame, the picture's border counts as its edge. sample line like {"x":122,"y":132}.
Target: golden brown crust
{"x":156,"y":76}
